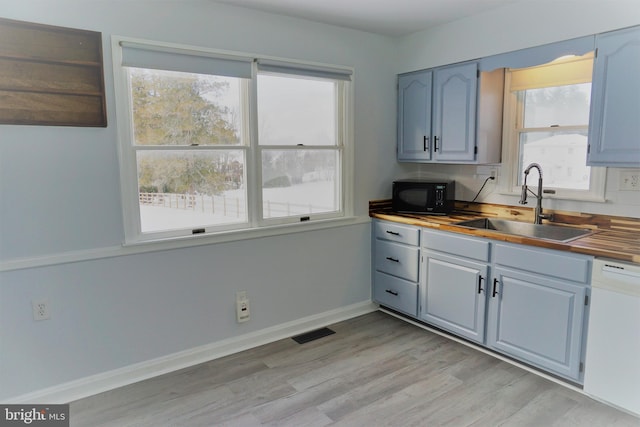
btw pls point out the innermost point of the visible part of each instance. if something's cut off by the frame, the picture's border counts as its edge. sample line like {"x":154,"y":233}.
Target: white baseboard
{"x":94,"y":384}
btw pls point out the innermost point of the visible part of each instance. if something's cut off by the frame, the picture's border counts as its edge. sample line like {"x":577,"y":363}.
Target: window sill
{"x":133,"y":248}
{"x":242,"y":234}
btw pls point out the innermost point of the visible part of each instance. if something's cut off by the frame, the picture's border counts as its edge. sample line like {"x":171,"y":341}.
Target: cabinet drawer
{"x":396,"y":293}
{"x":397,"y":233}
{"x":398,"y":260}
{"x":544,"y":261}
{"x":452,"y":243}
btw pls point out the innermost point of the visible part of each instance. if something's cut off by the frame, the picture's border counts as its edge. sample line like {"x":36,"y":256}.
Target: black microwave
{"x":423,"y":197}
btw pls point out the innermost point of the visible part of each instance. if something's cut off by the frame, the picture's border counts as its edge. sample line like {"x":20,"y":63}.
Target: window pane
{"x":173,"y":108}
{"x":300,"y":182}
{"x":560,"y":105}
{"x":189,"y":189}
{"x":562,"y":156}
{"x":294,"y":111}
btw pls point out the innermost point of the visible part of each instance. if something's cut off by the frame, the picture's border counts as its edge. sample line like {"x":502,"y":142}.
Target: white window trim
{"x":508,"y":185}
{"x":254,"y":227}
{"x":341,"y":139}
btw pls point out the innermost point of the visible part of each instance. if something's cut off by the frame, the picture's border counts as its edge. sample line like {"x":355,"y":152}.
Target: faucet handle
{"x":547,"y":216}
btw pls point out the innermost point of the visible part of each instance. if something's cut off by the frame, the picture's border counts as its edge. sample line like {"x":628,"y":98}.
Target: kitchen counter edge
{"x":619,"y":242}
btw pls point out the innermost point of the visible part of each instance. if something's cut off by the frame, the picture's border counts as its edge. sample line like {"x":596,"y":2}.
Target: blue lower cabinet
{"x":454,"y":294}
{"x":396,"y":266}
{"x":526,"y":302}
{"x":538,"y":320}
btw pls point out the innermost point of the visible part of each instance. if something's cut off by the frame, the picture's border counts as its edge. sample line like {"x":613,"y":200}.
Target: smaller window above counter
{"x":546,"y":121}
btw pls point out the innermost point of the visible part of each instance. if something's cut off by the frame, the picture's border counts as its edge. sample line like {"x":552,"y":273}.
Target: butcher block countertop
{"x":613,"y":237}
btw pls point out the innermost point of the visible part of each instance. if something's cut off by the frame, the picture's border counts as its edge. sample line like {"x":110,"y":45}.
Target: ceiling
{"x":387,"y":17}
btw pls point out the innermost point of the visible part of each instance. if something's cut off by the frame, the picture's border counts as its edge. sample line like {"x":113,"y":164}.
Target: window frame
{"x":255,"y":225}
{"x":132,"y":149}
{"x":513,"y":125}
{"x":339,"y":148}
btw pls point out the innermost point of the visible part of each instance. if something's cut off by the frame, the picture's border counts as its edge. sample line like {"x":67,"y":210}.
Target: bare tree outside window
{"x":201,"y":113}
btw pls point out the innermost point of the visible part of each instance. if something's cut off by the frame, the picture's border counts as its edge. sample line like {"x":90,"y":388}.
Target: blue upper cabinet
{"x":442,"y":119}
{"x":614,"y":127}
{"x":414,"y":116}
{"x":454,"y":112}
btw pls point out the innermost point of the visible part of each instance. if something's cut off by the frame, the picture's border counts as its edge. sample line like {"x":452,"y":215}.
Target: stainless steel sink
{"x":539,"y":231}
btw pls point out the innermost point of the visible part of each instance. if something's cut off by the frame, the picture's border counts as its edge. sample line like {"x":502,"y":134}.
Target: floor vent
{"x":313,"y":335}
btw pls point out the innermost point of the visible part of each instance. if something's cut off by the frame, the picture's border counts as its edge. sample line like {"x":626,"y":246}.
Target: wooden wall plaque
{"x":50,"y":75}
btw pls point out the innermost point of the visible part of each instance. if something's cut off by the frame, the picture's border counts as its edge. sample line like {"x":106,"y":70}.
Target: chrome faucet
{"x":539,"y":216}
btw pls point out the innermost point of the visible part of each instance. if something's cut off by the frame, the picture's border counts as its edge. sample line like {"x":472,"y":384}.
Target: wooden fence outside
{"x":225,"y":206}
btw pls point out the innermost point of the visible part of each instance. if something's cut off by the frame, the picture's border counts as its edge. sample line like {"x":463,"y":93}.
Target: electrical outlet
{"x":242,"y":306}
{"x":630,"y":179}
{"x":41,"y":309}
{"x":486,"y":171}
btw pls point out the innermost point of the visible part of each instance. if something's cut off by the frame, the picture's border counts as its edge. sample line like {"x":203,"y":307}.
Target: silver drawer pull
{"x":393,"y":259}
{"x":389,"y":291}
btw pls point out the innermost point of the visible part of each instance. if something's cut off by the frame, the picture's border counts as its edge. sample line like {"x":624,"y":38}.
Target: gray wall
{"x":61,"y":200}
{"x":60,"y":197}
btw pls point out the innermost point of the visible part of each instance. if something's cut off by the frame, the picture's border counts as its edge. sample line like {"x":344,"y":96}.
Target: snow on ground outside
{"x":318,"y":195}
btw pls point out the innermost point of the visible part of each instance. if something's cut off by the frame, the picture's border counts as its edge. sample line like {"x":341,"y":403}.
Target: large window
{"x":546,"y":122}
{"x":214,"y":142}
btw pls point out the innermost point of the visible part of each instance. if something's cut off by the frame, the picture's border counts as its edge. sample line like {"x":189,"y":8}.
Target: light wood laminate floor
{"x":375,"y":371}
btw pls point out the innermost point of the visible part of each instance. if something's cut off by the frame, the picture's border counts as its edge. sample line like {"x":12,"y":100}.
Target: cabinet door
{"x":453,"y":295}
{"x":454,"y":111}
{"x":614,"y":126}
{"x":414,"y":116}
{"x":538,"y":320}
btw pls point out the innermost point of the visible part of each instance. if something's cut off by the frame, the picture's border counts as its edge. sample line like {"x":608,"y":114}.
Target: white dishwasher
{"x":612,"y":364}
